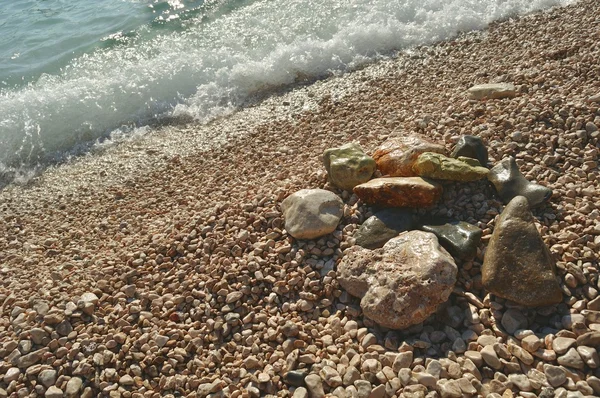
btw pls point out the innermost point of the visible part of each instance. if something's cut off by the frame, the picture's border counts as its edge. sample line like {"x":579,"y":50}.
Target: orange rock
{"x":400,"y":192}
{"x":396,"y":156}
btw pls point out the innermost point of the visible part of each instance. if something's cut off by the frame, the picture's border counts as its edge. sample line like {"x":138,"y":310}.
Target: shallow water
{"x":77,"y":72}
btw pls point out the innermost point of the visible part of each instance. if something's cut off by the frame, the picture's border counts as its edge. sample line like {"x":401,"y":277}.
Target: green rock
{"x":469,"y":161}
{"x":435,"y":165}
{"x":460,"y":238}
{"x":348,"y":166}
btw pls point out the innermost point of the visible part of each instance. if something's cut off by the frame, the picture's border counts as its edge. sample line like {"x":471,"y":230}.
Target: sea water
{"x":74,"y":73}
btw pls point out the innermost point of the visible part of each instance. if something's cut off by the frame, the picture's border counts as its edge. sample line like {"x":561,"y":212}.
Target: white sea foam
{"x":220,"y":60}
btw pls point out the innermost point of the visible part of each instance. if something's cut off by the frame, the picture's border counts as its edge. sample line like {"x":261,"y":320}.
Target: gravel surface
{"x":160,"y":267}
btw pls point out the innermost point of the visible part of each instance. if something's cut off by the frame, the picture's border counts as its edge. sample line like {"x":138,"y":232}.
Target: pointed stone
{"x":435,"y":165}
{"x":461,"y":239}
{"x":383,"y":226}
{"x":348,"y":166}
{"x":396,"y":156}
{"x":399,"y":192}
{"x":509,"y":182}
{"x":517,"y":264}
{"x":471,"y":146}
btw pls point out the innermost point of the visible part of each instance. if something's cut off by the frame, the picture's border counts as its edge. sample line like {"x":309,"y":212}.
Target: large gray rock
{"x":383,"y":226}
{"x":517,"y":264}
{"x":311,"y":213}
{"x":402,"y":283}
{"x":509,"y":182}
{"x":348,"y":166}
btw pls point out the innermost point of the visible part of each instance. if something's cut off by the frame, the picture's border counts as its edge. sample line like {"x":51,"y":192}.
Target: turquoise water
{"x":76,"y":72}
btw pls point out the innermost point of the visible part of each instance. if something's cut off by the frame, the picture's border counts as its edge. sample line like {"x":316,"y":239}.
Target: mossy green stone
{"x":435,"y":165}
{"x":348,"y":166}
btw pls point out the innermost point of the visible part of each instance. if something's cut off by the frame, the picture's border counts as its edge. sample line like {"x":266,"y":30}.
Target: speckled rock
{"x":396,"y":156}
{"x":402,"y":283}
{"x":460,"y":238}
{"x":438,"y":166}
{"x":492,"y":91}
{"x":509,"y":183}
{"x":383,"y":226}
{"x":311,"y":213}
{"x":471,"y":146}
{"x":399,"y":192}
{"x":517,"y":264}
{"x":348,"y":166}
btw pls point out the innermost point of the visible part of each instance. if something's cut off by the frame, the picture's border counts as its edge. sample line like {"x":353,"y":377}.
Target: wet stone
{"x":510,"y":183}
{"x":471,"y":146}
{"x":460,"y":238}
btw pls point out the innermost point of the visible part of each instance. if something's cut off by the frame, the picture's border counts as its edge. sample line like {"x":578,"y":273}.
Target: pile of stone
{"x":404,"y":267}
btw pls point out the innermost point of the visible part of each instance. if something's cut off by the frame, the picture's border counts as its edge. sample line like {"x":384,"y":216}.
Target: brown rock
{"x":396,"y":156}
{"x":402,"y":283}
{"x":400,"y":192}
{"x":517,"y":264}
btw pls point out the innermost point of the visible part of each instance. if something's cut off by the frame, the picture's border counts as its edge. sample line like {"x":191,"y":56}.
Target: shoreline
{"x":164,"y":229}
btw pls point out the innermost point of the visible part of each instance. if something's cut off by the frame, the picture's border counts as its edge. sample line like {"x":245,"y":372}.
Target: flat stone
{"x":314,"y":385}
{"x":402,"y":283}
{"x":312,"y":213}
{"x":509,"y":183}
{"x":396,"y":156}
{"x":30,"y":359}
{"x":383,"y":226}
{"x":348,"y":166}
{"x":492,"y":91}
{"x":562,"y":344}
{"x":517,"y":264}
{"x":400,"y":192}
{"x":460,"y":238}
{"x":571,"y":359}
{"x":521,"y":354}
{"x":438,"y":166}
{"x":555,"y":375}
{"x":513,"y":320}
{"x":521,"y":381}
{"x":471,"y":146}
{"x":591,"y":339}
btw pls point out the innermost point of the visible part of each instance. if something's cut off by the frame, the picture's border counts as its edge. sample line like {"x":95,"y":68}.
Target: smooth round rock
{"x":312,"y":213}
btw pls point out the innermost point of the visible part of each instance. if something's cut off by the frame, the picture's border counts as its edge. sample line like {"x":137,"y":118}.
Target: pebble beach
{"x":160,"y":267}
